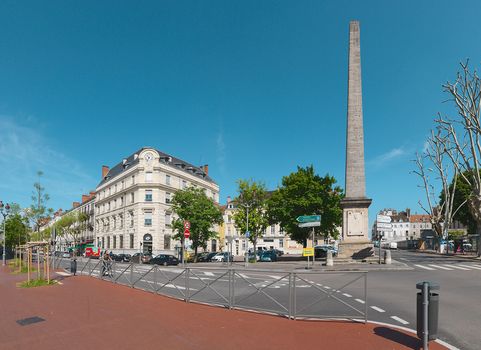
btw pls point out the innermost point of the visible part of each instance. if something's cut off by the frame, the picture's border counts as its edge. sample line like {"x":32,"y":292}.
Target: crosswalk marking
{"x":208,"y":273}
{"x":472,"y":266}
{"x":441,"y":267}
{"x":378,"y":309}
{"x":457,"y":267}
{"x":400,"y":320}
{"x":359,"y":301}
{"x":347,"y":295}
{"x":424,"y":267}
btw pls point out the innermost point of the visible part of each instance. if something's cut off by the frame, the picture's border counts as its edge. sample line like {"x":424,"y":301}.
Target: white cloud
{"x":23,"y":151}
{"x":389,"y":156}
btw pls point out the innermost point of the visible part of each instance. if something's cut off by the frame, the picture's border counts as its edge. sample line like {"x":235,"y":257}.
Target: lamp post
{"x":5,"y":211}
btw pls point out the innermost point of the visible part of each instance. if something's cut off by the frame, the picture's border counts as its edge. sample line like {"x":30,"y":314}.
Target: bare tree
{"x":462,"y":143}
{"x":439,"y":208}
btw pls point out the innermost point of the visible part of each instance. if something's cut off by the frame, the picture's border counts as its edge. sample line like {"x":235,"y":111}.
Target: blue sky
{"x":252,"y":88}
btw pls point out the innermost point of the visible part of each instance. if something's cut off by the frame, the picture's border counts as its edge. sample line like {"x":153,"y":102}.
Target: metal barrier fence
{"x":293,"y":294}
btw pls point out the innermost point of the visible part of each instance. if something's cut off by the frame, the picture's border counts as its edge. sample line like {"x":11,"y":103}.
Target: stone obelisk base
{"x":355,"y":243}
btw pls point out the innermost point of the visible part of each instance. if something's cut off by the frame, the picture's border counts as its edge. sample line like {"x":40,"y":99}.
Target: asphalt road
{"x":391,"y":294}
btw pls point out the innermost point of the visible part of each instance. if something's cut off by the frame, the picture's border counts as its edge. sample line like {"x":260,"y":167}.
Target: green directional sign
{"x":308,"y":218}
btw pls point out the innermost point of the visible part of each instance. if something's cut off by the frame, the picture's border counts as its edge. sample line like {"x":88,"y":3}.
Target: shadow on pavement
{"x":399,"y":337}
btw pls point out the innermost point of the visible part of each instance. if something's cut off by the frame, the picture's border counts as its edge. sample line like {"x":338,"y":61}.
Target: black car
{"x":207,"y":257}
{"x":120,"y":257}
{"x":164,"y":259}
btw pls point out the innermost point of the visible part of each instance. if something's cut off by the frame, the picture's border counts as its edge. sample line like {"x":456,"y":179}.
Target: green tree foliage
{"x":38,"y":210}
{"x":71,"y":225}
{"x":193,"y":205}
{"x":306,"y":193}
{"x":462,"y":195}
{"x":252,"y":197}
{"x":16,"y":227}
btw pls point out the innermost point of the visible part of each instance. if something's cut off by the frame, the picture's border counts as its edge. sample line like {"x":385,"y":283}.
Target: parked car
{"x":205,"y":256}
{"x":320,"y":251}
{"x":223,"y":256}
{"x":268,"y":256}
{"x":65,"y":255}
{"x":145,"y":258}
{"x":164,"y":259}
{"x":278,"y":252}
{"x":209,"y":257}
{"x":120,"y":257}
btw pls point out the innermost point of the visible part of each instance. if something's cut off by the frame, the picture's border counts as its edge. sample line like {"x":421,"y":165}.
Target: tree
{"x":71,"y":226}
{"x":16,"y":227}
{"x":193,"y":205}
{"x":463,"y":191}
{"x":252,"y":198}
{"x":464,"y":134}
{"x":306,"y":193}
{"x":38,"y":210}
{"x":440,"y":208}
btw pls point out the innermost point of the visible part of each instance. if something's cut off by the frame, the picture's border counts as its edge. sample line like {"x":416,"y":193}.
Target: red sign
{"x":186,"y":233}
{"x":187,"y":225}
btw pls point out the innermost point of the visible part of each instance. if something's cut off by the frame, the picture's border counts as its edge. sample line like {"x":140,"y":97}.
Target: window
{"x":121,"y":201}
{"x":148,"y":176}
{"x":115,"y":242}
{"x":273,"y":229}
{"x":229,"y":218}
{"x":132,"y":197}
{"x":110,"y":191}
{"x":167,"y":197}
{"x":103,"y":242}
{"x":131,"y":243}
{"x":148,"y":218}
{"x":131,"y":213}
{"x":167,"y":242}
{"x":168,"y":219}
{"x":115,"y":190}
{"x":109,"y":206}
{"x":184,"y":184}
{"x":108,"y":242}
{"x":281,"y":243}
{"x":121,"y":242}
{"x":148,"y":195}
{"x":167,"y":179}
{"x":115,"y":203}
{"x":122,"y":185}
{"x":115,"y":223}
{"x":121,"y":222}
{"x":133,"y":179}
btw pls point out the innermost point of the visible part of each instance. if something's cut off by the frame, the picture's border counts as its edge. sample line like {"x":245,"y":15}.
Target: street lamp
{"x":5,"y":211}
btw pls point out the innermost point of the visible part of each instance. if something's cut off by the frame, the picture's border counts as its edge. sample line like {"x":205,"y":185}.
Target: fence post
{"x":230,"y":288}
{"x":294,"y":306}
{"x":155,"y":279}
{"x":290,"y":296}
{"x":187,"y":285}
{"x":131,"y":275}
{"x":365,"y":297}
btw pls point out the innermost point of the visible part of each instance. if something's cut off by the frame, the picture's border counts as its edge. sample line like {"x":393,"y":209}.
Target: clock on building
{"x":148,"y":156}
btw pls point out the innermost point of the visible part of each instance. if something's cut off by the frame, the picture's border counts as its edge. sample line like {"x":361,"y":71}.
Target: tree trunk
{"x":195,"y":253}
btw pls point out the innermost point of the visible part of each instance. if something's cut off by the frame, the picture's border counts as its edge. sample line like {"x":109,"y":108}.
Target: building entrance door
{"x":147,"y":244}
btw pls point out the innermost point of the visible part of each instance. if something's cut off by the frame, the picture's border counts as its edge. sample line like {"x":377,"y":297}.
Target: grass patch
{"x":36,"y":283}
{"x":23,"y":270}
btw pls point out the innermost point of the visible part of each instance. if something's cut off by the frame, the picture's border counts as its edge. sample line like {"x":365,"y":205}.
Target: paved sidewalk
{"x":84,"y":312}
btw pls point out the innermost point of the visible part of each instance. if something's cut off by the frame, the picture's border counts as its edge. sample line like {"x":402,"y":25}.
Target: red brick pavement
{"x":86,"y":313}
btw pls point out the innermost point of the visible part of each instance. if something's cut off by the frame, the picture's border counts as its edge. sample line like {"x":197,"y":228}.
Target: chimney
{"x":408,"y":212}
{"x":206,"y":169}
{"x":105,"y":171}
{"x":85,"y":197}
{"x":75,"y":204}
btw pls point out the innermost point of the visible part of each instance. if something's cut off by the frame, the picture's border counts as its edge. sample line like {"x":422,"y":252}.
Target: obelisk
{"x":355,"y":242}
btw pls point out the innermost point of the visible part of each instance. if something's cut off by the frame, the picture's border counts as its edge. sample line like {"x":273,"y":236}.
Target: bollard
{"x":73,"y":266}
{"x":387,"y":257}
{"x":329,"y":261}
{"x":427,"y":310}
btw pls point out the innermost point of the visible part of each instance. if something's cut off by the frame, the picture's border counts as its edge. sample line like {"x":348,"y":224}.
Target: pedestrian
{"x":106,"y":260}
{"x":73,"y":265}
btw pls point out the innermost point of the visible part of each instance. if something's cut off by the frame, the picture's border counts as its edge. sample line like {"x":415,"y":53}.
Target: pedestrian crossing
{"x":448,"y":267}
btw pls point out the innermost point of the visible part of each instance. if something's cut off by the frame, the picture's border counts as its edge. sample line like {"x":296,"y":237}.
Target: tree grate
{"x":29,"y":320}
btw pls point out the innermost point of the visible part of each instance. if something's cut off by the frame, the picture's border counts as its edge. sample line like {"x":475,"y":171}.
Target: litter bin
{"x":73,"y":266}
{"x":433,"y":310}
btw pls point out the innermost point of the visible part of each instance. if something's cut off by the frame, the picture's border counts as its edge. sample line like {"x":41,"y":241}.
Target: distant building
{"x":404,"y":226}
{"x":133,"y":201}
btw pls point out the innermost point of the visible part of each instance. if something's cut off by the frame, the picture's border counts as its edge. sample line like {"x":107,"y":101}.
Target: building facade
{"x":133,"y":201}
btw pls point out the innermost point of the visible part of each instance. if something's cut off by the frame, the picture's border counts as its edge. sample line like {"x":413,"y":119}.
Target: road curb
{"x":439,"y":341}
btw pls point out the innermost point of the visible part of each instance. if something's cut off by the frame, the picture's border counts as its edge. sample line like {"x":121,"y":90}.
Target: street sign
{"x":383,"y":218}
{"x":248,"y":234}
{"x":310,"y":224}
{"x":308,"y":252}
{"x":187,"y":225}
{"x":186,"y":233}
{"x":308,"y":218}
{"x":383,"y":225}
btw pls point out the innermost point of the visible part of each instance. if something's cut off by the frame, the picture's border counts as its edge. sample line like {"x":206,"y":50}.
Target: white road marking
{"x":360,"y":301}
{"x":169,"y":285}
{"x":472,"y":266}
{"x":400,"y":320}
{"x":458,"y":267}
{"x":378,"y":309}
{"x":274,"y":277}
{"x":347,"y":295}
{"x":441,"y":267}
{"x":63,"y":273}
{"x":208,"y":273}
{"x":320,"y":285}
{"x":424,"y":267}
{"x":327,"y":287}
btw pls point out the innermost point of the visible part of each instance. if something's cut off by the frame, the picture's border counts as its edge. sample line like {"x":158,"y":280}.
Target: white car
{"x":220,"y":257}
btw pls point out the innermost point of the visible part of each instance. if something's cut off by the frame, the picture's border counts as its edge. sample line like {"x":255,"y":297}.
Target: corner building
{"x":133,"y":210}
